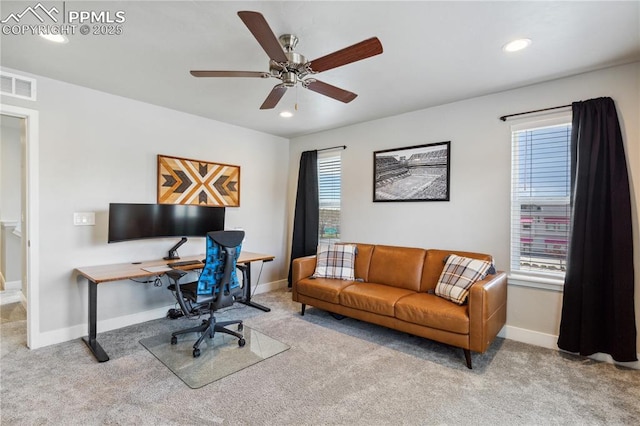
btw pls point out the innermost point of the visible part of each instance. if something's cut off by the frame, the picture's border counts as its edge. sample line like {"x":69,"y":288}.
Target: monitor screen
{"x":139,"y":221}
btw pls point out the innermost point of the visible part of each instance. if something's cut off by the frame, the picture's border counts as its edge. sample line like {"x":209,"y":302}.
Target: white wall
{"x":477,"y":217}
{"x":97,"y":148}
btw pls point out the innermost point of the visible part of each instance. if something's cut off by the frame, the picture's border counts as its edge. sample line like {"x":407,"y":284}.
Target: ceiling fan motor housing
{"x":296,"y":66}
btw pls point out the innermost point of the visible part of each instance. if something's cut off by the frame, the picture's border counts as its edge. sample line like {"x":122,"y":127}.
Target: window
{"x":540,"y":197}
{"x":329,"y":183}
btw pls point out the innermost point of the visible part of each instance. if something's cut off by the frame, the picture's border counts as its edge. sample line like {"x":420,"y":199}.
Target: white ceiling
{"x":434,"y":53}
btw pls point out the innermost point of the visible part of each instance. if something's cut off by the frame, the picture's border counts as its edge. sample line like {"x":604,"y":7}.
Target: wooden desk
{"x":123,"y":271}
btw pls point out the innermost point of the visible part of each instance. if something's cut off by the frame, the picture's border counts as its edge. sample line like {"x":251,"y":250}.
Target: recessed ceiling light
{"x":56,"y":38}
{"x":515,"y":45}
{"x":286,"y":114}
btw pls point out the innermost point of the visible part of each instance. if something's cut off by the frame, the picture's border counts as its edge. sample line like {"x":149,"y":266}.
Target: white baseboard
{"x":11,"y":296}
{"x":550,"y":341}
{"x":13,"y":285}
{"x":267,"y":287}
{"x":531,"y":337}
{"x":9,"y":285}
{"x":65,"y":334}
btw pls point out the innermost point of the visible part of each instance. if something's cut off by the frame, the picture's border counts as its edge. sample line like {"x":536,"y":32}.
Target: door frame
{"x":30,"y":219}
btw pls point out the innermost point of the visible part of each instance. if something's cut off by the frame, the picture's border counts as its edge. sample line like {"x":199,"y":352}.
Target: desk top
{"x":124,"y":271}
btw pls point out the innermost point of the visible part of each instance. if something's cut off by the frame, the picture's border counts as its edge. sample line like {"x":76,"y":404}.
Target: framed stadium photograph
{"x":414,"y":173}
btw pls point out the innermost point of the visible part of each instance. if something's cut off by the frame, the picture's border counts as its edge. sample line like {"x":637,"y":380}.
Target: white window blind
{"x":329,"y":191}
{"x":540,"y":197}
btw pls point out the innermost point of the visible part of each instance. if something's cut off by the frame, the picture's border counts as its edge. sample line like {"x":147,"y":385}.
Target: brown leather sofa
{"x":394,"y":288}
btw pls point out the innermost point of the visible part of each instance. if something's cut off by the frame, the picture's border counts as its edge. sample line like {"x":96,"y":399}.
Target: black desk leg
{"x":247,"y":297}
{"x":90,"y":340}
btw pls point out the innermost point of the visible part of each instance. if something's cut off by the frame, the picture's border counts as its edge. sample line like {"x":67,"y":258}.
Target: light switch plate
{"x":84,"y":218}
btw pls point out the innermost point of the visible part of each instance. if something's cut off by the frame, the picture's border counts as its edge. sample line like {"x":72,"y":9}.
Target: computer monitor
{"x":129,"y":221}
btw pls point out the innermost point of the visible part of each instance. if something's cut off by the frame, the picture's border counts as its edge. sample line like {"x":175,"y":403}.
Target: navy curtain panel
{"x":598,"y":304}
{"x":307,"y":214}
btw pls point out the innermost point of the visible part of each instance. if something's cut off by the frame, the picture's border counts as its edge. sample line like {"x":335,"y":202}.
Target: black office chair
{"x":217,"y":288}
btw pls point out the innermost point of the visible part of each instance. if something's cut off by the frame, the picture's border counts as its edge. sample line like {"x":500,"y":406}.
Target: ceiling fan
{"x":291,"y":67}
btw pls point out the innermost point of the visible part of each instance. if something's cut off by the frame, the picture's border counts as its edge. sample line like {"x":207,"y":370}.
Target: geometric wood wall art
{"x":185,"y":181}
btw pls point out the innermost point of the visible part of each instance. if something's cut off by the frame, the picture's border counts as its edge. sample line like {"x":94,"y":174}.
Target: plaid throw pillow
{"x":458,"y":276}
{"x":335,"y":261}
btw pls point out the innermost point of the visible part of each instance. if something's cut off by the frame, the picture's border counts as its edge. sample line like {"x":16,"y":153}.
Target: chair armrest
{"x":176,"y":274}
{"x":487,"y":310}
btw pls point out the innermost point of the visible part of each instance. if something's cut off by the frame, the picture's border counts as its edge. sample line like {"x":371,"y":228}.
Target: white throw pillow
{"x":335,"y":261}
{"x":458,"y":276}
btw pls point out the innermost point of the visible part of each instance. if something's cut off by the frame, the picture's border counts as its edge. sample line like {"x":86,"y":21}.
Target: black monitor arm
{"x":173,"y":251}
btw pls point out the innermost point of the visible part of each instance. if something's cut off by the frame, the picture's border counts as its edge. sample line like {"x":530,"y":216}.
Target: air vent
{"x":18,"y":86}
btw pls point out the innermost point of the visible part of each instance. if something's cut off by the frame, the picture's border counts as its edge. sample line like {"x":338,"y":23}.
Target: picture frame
{"x":197,"y":182}
{"x":413,"y":173}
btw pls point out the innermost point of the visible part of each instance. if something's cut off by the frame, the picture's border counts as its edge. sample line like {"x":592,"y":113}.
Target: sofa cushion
{"x":363,"y":261}
{"x":371,"y":297}
{"x":335,"y":261}
{"x":397,"y":266}
{"x":326,"y":289}
{"x":458,"y":276}
{"x":432,"y":311}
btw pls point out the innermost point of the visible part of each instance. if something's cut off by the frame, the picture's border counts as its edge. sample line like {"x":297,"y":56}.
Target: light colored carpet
{"x":336,"y":372}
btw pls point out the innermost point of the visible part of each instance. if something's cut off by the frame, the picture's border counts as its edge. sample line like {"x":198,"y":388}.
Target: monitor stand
{"x":173,"y":251}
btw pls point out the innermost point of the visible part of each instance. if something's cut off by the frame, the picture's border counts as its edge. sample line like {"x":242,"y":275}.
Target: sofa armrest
{"x":487,"y":310}
{"x":302,"y":267}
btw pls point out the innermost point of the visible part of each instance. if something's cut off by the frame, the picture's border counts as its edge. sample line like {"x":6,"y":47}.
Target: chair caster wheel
{"x":241,"y":342}
{"x":174,"y":340}
{"x":240,"y":327}
{"x":196,"y":353}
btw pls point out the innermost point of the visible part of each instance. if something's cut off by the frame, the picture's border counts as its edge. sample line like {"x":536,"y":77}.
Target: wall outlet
{"x":84,"y":218}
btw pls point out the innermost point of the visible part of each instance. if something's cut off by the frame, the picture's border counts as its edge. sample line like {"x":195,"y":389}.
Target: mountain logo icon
{"x":38,"y":11}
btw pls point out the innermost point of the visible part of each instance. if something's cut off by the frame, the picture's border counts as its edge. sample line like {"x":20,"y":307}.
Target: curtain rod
{"x":504,"y":117}
{"x":333,"y":147}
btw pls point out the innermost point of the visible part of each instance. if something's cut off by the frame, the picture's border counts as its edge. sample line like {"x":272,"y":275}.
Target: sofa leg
{"x":467,"y":357}
{"x":302,"y":311}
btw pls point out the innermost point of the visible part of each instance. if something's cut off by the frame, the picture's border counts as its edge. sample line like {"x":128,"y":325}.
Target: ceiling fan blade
{"x":357,"y":52}
{"x":262,"y":32}
{"x":330,"y":91}
{"x":274,"y":97}
{"x":230,"y":74}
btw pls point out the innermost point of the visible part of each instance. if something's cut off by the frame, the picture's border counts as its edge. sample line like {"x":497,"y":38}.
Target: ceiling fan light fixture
{"x":516,"y":45}
{"x":286,"y":114}
{"x":56,"y":38}
{"x":289,"y":79}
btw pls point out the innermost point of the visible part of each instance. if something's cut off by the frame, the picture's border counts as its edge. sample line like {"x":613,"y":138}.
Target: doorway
{"x":27,"y":222}
{"x":11,"y":177}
